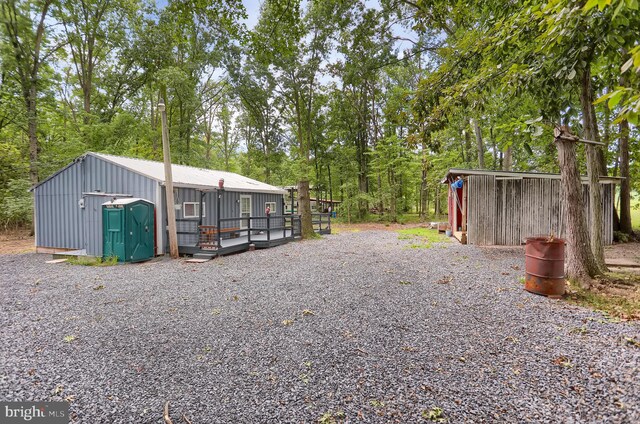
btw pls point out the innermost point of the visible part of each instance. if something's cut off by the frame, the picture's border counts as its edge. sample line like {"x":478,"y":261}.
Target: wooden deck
{"x":243,"y":239}
{"x":242,"y":243}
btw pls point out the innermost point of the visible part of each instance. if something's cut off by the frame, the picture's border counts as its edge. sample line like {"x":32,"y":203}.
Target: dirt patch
{"x":627,"y":251}
{"x":16,"y":242}
{"x":617,"y":294}
{"x":372,"y":226}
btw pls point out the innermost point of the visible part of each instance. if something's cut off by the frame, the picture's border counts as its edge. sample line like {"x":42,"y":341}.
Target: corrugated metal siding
{"x":515,"y":209}
{"x":608,"y":191}
{"x":258,"y":201}
{"x":57,"y":212}
{"x":61,"y":223}
{"x":481,"y":198}
{"x":229,"y":208}
{"x":541,"y":213}
{"x":191,"y":195}
{"x":107,"y":177}
{"x":508,"y":204}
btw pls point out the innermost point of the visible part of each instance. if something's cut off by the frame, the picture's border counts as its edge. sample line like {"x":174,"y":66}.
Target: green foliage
{"x":69,"y":338}
{"x":326,"y":91}
{"x":434,"y":414}
{"x":426,"y":234}
{"x":16,"y":204}
{"x":91,"y":261}
{"x":620,"y":237}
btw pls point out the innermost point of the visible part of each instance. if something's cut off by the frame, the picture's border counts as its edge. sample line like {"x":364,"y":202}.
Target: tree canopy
{"x":367,"y":103}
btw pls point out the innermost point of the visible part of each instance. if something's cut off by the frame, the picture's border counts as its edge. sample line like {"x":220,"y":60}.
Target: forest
{"x":366,"y":102}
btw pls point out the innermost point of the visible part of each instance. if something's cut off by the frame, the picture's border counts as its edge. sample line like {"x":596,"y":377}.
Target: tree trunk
{"x":304,"y":201}
{"x":581,"y":264}
{"x":363,"y":181}
{"x":423,"y":183}
{"x":304,"y":208}
{"x":625,"y":184}
{"x":467,"y":147}
{"x":494,"y":147}
{"x":330,"y":186}
{"x":479,"y":143}
{"x":594,"y":169}
{"x":154,"y":120}
{"x":86,"y":90}
{"x":393,"y":202}
{"x":32,"y":116}
{"x":507,"y":164}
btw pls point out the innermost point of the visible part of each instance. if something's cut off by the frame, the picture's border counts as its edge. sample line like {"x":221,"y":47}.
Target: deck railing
{"x":321,"y":222}
{"x":211,"y":236}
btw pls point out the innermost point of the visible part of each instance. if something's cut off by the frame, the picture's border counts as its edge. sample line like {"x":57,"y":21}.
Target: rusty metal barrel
{"x":544,"y":266}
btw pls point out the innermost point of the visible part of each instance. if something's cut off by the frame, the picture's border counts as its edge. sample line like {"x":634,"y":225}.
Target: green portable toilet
{"x":128,"y":229}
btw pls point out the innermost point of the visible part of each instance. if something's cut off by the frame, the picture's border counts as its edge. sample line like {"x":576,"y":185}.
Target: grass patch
{"x":88,"y":261}
{"x":425,"y":235}
{"x":616,"y":295}
{"x":419,"y":246}
{"x":343,"y":228}
{"x":313,"y":236}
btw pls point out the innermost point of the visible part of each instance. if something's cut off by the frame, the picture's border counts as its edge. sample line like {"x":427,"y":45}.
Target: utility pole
{"x":168,"y":184}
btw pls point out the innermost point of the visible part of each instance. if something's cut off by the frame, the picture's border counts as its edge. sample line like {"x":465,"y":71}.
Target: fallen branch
{"x":167,"y":418}
{"x":186,"y":420}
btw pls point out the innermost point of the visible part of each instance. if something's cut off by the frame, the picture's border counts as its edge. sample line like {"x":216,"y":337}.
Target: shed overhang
{"x":453,"y":173}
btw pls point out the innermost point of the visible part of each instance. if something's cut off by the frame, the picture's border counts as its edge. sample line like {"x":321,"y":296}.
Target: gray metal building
{"x":68,"y":204}
{"x":504,"y":208}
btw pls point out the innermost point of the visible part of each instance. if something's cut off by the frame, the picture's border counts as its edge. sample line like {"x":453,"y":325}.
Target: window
{"x":271,"y":206}
{"x":192,"y":209}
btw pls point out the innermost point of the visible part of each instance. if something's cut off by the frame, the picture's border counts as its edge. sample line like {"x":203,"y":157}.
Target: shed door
{"x":140,"y":227}
{"x":113,"y":233}
{"x":245,"y":211}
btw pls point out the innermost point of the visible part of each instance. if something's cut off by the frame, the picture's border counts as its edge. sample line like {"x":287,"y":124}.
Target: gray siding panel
{"x":229,"y":208}
{"x":107,"y":177}
{"x":57,"y":213}
{"x":61,"y":223}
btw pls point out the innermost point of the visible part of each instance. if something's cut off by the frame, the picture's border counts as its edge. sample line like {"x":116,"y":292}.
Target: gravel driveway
{"x":356,"y":327}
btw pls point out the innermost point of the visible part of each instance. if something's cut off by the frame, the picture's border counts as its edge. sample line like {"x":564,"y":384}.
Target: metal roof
{"x":183,"y":176}
{"x":125,"y":201}
{"x":455,"y":172}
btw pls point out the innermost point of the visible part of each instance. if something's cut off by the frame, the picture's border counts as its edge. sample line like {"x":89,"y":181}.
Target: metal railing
{"x":318,"y":220}
{"x":253,"y":227}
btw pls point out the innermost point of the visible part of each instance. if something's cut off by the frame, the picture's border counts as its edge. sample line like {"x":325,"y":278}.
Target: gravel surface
{"x":355,"y":327}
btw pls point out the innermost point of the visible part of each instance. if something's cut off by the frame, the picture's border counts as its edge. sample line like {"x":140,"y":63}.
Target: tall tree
{"x":91,"y":30}
{"x":29,"y":50}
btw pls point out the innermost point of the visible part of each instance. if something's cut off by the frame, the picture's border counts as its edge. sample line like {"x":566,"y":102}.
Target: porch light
{"x":221,"y":183}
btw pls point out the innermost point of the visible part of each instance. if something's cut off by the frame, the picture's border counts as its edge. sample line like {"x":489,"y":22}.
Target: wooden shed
{"x":504,"y":208}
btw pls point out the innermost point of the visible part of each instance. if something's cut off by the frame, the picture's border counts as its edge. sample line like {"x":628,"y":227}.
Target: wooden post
{"x":200,"y":215}
{"x":268,"y":228}
{"x":168,"y":183}
{"x":218,"y":217}
{"x":464,"y":205}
